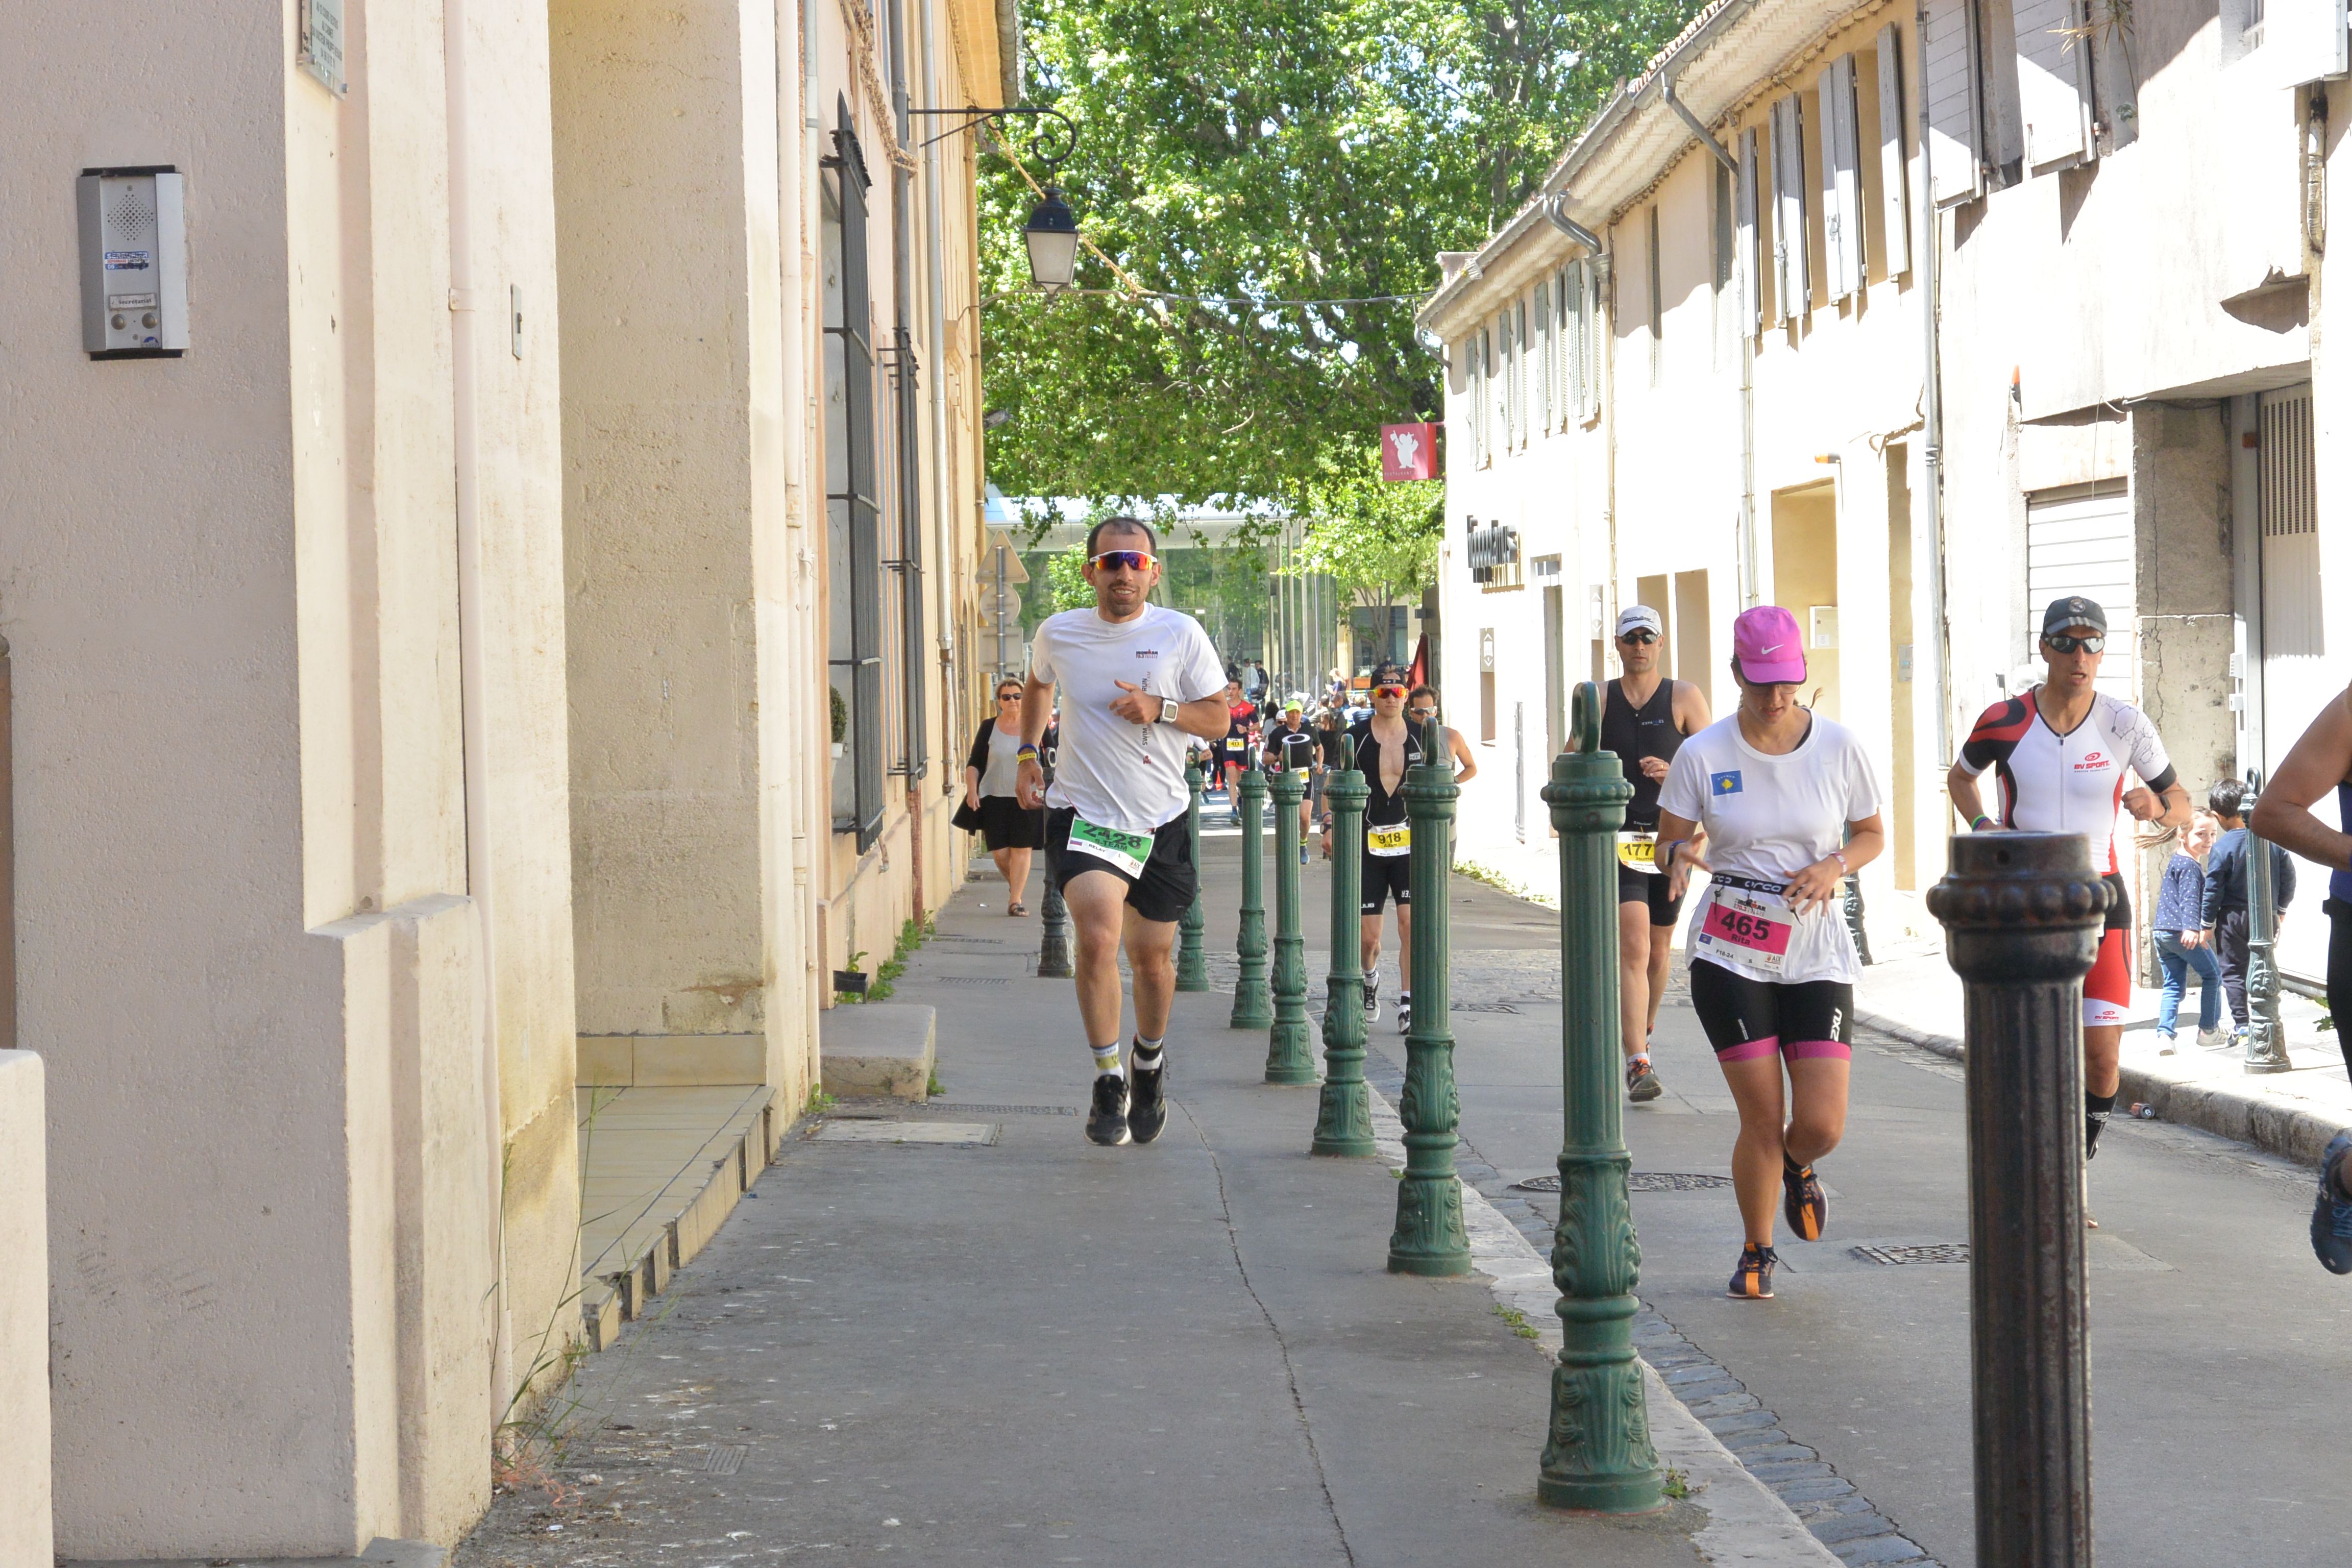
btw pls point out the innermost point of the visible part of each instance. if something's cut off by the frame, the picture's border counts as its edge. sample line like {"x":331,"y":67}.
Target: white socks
{"x":1107,"y":1061}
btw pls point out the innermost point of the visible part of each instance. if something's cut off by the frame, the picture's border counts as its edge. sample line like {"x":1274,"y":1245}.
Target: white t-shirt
{"x":1768,"y":819}
{"x":1115,"y":773}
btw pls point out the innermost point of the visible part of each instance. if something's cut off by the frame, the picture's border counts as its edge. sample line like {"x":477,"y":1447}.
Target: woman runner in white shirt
{"x":1789,"y":809}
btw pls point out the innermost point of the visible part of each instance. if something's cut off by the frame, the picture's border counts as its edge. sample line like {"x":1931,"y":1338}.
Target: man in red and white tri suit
{"x":2058,"y":754}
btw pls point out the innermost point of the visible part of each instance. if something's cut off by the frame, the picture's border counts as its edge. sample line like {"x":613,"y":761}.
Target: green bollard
{"x":1252,"y":1008}
{"x":1192,"y":962}
{"x":1343,"y":1121}
{"x":1289,"y":1051}
{"x":1429,"y":1238}
{"x":1599,"y":1456}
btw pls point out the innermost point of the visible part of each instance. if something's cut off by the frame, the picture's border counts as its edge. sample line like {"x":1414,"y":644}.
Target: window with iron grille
{"x":853,"y":511}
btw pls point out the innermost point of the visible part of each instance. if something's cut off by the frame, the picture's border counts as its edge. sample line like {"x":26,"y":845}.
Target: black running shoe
{"x":1146,"y":1099}
{"x":1641,"y":1084}
{"x":1802,"y":1200}
{"x":2331,"y":1216}
{"x":1752,"y":1280}
{"x":1107,"y":1123}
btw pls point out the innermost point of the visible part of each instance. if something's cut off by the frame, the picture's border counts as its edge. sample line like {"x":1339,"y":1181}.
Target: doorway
{"x":1804,"y":574}
{"x":1905,"y":773}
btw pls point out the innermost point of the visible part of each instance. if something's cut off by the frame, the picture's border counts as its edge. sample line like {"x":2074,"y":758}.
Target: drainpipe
{"x":1939,"y":641}
{"x":909,"y":483}
{"x":464,"y":302}
{"x":790,"y":1012}
{"x":950,"y":567}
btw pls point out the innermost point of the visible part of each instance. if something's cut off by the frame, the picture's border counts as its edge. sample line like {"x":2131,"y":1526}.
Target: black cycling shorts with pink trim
{"x":1746,"y":1019}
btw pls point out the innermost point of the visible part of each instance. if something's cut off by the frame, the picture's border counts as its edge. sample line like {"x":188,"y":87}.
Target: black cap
{"x":2072,"y":611}
{"x":1391,"y":674}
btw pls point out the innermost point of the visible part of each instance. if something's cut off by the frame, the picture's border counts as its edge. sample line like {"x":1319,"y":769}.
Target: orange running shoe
{"x":1802,"y":1200}
{"x":1752,"y":1280}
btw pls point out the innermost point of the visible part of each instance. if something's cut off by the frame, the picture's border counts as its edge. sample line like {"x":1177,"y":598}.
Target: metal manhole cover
{"x":972,"y":980}
{"x":1921,"y":1252}
{"x":1003,"y":1110}
{"x":727,"y":1460}
{"x":1641,"y":1182}
{"x":1484,"y":1007}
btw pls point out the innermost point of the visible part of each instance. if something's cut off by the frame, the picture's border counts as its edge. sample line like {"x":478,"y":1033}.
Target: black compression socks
{"x":2095,"y":1108}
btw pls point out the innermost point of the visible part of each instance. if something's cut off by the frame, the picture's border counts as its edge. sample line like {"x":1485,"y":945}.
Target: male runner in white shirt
{"x":1135,"y":677}
{"x":2058,"y":753}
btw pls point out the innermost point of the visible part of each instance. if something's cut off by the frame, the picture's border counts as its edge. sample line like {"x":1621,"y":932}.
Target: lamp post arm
{"x":1039,"y":148}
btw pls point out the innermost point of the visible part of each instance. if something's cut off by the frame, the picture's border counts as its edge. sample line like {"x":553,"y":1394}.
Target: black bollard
{"x":1054,"y":944}
{"x":2022,"y":914}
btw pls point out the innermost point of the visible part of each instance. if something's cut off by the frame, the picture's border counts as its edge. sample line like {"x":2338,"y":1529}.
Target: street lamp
{"x":1052,"y":232}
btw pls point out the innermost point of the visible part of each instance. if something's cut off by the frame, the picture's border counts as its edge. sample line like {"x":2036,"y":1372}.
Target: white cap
{"x":1640,"y":617}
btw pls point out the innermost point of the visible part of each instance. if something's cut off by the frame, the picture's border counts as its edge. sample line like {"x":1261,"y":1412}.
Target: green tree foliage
{"x":1378,"y":542}
{"x":1065,"y":575}
{"x":1271,"y":149}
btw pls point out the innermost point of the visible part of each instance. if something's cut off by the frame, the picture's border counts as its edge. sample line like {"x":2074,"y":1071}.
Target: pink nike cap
{"x":1770,"y":648}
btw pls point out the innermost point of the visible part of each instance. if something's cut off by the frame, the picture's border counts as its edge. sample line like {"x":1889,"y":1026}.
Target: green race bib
{"x":1127,"y":851}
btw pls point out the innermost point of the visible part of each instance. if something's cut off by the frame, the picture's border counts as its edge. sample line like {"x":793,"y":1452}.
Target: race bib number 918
{"x":1397,"y":840}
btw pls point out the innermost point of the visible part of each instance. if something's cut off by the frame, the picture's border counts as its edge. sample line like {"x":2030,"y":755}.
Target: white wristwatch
{"x":1168,"y":708}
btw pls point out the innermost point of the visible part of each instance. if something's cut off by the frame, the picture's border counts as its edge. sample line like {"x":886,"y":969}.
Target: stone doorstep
{"x":2280,"y":1126}
{"x":669,"y":1061}
{"x":627,"y":1294}
{"x":886,"y":1048}
{"x":380,"y":1553}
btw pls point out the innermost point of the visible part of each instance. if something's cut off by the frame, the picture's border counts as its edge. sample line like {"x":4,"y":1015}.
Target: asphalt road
{"x":2220,"y":1348}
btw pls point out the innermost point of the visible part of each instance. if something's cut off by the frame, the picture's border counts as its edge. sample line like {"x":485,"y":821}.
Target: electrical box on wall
{"x":134,"y":263}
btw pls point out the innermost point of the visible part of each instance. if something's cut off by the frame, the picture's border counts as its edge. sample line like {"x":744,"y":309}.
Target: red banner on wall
{"x":1408,"y":452}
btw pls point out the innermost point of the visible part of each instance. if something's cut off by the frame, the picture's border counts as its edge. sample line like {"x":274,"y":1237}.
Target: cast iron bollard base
{"x":1054,"y":916}
{"x":1252,"y":1007}
{"x":1192,"y":962}
{"x":2022,"y":914}
{"x":1290,"y":1050}
{"x":1343,"y":1119}
{"x":2266,"y":1034}
{"x":1599,"y":1455}
{"x":1429,"y":1236}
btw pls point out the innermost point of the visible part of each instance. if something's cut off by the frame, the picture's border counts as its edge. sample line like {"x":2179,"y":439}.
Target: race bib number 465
{"x":1127,"y":851}
{"x":1755,"y":927}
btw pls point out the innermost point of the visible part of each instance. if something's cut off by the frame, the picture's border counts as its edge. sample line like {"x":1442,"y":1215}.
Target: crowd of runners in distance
{"x":1776,"y":806}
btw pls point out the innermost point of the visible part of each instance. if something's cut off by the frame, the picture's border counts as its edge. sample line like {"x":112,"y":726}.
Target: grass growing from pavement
{"x":1475,"y":872}
{"x":1517,"y":1319}
{"x":911,"y":935}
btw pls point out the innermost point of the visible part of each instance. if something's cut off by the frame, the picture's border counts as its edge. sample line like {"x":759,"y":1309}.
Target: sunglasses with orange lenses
{"x":1123,"y":561}
{"x":1388,"y":691}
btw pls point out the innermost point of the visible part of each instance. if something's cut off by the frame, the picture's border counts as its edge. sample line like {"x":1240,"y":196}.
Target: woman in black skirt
{"x":989,"y":801}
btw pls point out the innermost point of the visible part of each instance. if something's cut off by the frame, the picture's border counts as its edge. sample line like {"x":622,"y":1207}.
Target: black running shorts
{"x":1644,"y":888}
{"x":1168,"y":883}
{"x":1385,"y":875}
{"x":1745,"y":1018}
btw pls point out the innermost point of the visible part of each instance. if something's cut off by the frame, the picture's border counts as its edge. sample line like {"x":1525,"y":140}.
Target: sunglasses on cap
{"x":2065,"y":644}
{"x":1641,"y":636}
{"x":1123,"y":561}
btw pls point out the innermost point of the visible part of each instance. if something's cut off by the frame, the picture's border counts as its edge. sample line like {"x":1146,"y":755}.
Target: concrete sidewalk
{"x":2293,"y":1114}
{"x":977,"y":1336}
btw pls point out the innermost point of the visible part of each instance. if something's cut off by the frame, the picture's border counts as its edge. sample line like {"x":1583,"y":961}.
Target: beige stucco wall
{"x":248,"y":931}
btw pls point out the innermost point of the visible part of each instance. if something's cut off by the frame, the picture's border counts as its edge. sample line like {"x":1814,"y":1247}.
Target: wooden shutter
{"x":1546,"y":361}
{"x":1792,"y":279}
{"x":1893,"y":170}
{"x":1841,"y":218}
{"x":1749,"y":259}
{"x":1947,"y":53}
{"x":2053,"y":82}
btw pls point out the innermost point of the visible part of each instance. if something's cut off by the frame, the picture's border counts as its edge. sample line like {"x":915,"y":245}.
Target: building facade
{"x":425,"y":669}
{"x":1851,"y":309}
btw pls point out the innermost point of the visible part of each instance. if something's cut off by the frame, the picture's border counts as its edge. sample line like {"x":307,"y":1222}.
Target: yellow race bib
{"x":1396,"y":840}
{"x":1638,"y":852}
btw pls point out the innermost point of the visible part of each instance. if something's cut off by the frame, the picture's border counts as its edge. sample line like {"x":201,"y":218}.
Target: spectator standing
{"x":991,"y":805}
{"x":2226,"y":921}
{"x":2180,"y":939}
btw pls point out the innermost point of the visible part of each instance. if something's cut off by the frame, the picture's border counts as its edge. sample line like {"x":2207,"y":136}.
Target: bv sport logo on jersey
{"x":2094,"y":763}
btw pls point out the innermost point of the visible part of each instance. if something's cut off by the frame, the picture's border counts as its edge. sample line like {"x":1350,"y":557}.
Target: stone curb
{"x":2287,"y":1131}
